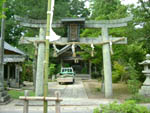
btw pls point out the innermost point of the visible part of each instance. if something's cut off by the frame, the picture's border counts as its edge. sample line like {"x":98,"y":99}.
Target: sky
{"x":125,"y":2}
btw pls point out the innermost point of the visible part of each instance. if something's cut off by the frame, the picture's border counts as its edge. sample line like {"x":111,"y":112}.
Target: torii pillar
{"x":40,"y":65}
{"x":107,"y":64}
{"x":105,"y":25}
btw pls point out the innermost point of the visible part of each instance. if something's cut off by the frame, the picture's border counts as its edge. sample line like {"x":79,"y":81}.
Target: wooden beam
{"x":115,"y":21}
{"x":93,"y":40}
{"x":86,"y":41}
{"x":72,"y":58}
{"x":40,"y":98}
{"x":88,"y":24}
{"x":95,"y":25}
{"x":31,"y":25}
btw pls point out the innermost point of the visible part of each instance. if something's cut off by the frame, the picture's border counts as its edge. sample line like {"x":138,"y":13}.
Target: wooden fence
{"x":28,"y":98}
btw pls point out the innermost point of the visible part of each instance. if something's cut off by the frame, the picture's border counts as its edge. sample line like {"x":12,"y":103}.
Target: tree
{"x":77,"y":9}
{"x":142,"y":20}
{"x":104,"y":10}
{"x":108,"y":9}
{"x":1,"y":4}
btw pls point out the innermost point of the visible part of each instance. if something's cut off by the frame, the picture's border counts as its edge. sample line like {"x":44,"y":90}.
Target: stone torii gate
{"x":105,"y":40}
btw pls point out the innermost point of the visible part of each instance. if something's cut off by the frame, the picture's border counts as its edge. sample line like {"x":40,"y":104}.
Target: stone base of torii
{"x":105,"y":40}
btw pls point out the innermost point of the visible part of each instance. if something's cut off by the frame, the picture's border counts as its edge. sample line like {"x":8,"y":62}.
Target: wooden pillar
{"x":17,"y":70}
{"x":2,"y":52}
{"x":61,"y":60}
{"x":57,"y":107}
{"x":90,"y":71}
{"x":8,"y":73}
{"x":107,"y":64}
{"x":40,"y":65}
{"x":35,"y":66}
{"x":26,"y":102}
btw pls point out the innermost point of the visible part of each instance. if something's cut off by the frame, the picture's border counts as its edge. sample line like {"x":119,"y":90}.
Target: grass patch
{"x":98,"y":89}
{"x":15,"y":93}
{"x":140,"y":98}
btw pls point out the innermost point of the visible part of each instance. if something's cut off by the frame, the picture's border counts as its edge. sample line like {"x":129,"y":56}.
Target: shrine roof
{"x":13,"y":49}
{"x":69,"y":20}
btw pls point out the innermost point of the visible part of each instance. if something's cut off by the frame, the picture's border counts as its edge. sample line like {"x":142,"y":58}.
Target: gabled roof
{"x":13,"y":49}
{"x":66,"y":48}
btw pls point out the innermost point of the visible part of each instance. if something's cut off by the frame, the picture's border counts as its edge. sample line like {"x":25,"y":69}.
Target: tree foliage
{"x":126,"y":57}
{"x":1,"y":8}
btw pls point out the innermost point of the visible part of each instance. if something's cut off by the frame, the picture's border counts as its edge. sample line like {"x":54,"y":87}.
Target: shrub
{"x":52,"y":69}
{"x":84,"y":70}
{"x":126,"y":107}
{"x":95,"y":75}
{"x":119,"y":73}
{"x":133,"y":86}
{"x":140,"y":98}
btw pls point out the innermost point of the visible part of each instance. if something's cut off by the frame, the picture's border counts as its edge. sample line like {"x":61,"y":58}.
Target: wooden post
{"x":2,"y":52}
{"x":26,"y":102}
{"x":46,"y":75}
{"x":17,"y":75}
{"x":40,"y":65}
{"x":90,"y":71}
{"x":57,"y":108}
{"x":47,"y":55}
{"x":107,"y":65}
{"x":35,"y":65}
{"x":61,"y":62}
{"x":8,"y":73}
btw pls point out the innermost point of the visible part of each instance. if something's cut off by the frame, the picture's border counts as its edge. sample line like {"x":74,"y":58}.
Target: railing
{"x":27,"y":98}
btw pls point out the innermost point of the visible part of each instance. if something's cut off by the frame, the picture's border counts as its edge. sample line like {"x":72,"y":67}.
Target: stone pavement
{"x":71,"y":102}
{"x":12,"y":108}
{"x":75,"y":90}
{"x":72,"y":95}
{"x":36,"y":107}
{"x":75,"y":100}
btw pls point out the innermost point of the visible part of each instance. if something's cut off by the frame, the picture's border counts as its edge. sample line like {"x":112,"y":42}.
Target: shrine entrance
{"x":73,"y":39}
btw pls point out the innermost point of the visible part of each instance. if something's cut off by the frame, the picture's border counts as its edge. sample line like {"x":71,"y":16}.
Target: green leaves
{"x":1,"y":9}
{"x":126,"y":107}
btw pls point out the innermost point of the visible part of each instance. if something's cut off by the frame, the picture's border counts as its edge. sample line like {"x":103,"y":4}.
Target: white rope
{"x":49,"y":12}
{"x":92,"y":52}
{"x":73,"y":50}
{"x":52,"y":11}
{"x":111,"y":50}
{"x":53,"y":36}
{"x":55,"y":48}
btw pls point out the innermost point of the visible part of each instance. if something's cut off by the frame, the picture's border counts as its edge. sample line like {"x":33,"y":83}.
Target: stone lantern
{"x":145,"y":89}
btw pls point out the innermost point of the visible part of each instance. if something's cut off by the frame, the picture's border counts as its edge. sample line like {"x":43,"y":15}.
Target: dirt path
{"x":75,"y":90}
